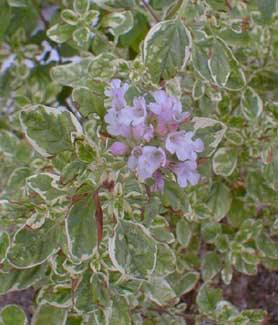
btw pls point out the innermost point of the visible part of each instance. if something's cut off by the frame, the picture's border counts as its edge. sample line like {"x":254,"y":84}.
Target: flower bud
{"x":119,"y":148}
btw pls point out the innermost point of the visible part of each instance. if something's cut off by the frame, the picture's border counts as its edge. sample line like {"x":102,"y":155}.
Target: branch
{"x":38,"y":9}
{"x":108,"y":185}
{"x":150,"y":10}
{"x":99,"y":216}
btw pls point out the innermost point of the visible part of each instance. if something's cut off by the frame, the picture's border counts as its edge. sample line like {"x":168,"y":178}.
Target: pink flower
{"x":142,"y":132}
{"x":181,"y":143}
{"x":160,"y":126}
{"x":117,"y":93}
{"x":168,"y":108}
{"x":147,"y":160}
{"x":119,"y":148}
{"x":118,"y":122}
{"x":149,"y":133}
{"x":133,"y":159}
{"x":186,"y":172}
{"x":138,"y":112}
{"x":159,"y":183}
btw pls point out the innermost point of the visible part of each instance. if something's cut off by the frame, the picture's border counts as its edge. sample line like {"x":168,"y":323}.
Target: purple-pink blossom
{"x":147,"y":160}
{"x":142,"y":132}
{"x":181,"y":143}
{"x":150,"y":134}
{"x":117,"y":93}
{"x":119,"y":148}
{"x":186,"y":173}
{"x":168,"y":110}
{"x":159,"y":182}
{"x":138,"y":112}
{"x":118,"y":123}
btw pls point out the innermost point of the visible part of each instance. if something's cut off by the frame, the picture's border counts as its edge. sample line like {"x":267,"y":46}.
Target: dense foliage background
{"x":97,"y":244}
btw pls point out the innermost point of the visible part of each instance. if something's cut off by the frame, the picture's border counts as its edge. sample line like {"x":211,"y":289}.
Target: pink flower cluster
{"x":150,"y":135}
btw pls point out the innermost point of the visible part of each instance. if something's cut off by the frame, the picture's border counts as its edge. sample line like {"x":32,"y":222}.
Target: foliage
{"x":96,"y":241}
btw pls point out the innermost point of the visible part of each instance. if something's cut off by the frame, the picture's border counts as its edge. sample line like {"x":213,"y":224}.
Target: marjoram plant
{"x":138,"y":158}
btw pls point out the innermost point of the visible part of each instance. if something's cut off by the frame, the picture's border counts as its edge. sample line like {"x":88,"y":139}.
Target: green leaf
{"x":174,"y":197}
{"x":224,"y":311}
{"x":33,"y":247}
{"x":159,"y":291}
{"x":267,"y":246}
{"x":183,"y":283}
{"x":85,"y":301}
{"x":251,"y":104}
{"x":74,"y":319}
{"x":73,"y":74}
{"x":46,"y":185}
{"x":69,"y":17}
{"x":120,"y":312}
{"x":4,"y":245}
{"x":8,"y":142}
{"x":218,"y":64}
{"x":258,"y":189}
{"x":72,"y":170}
{"x":159,"y":228}
{"x":234,"y":137}
{"x":211,"y":265}
{"x":117,"y":4}
{"x":5,"y":17}
{"x":49,"y":131}
{"x":88,"y":73}
{"x":209,"y":55}
{"x":18,"y":3}
{"x":81,"y":36}
{"x":183,"y":232}
{"x":210,"y":131}
{"x":21,"y":279}
{"x":101,"y":292}
{"x":103,"y":67}
{"x":89,"y":101}
{"x":208,"y":298}
{"x":165,"y":261}
{"x":224,"y":161}
{"x":136,"y":35}
{"x":198,"y":89}
{"x":18,"y":177}
{"x":81,"y":228}
{"x":13,"y":315}
{"x":255,"y":316}
{"x":166,"y":49}
{"x":218,"y":5}
{"x":200,"y":59}
{"x":151,"y":215}
{"x":56,"y":295}
{"x":91,"y":18}
{"x":159,"y":4}
{"x":60,"y":33}
{"x":267,"y":8}
{"x":227,"y":271}
{"x":220,"y":201}
{"x":222,"y":243}
{"x":232,"y":37}
{"x":132,"y":250}
{"x":119,"y":23}
{"x":237,"y":78}
{"x":49,"y":315}
{"x":271,"y":169}
{"x":85,"y":151}
{"x":97,"y":317}
{"x":81,"y":6}
{"x":210,"y":230}
{"x":243,"y":267}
